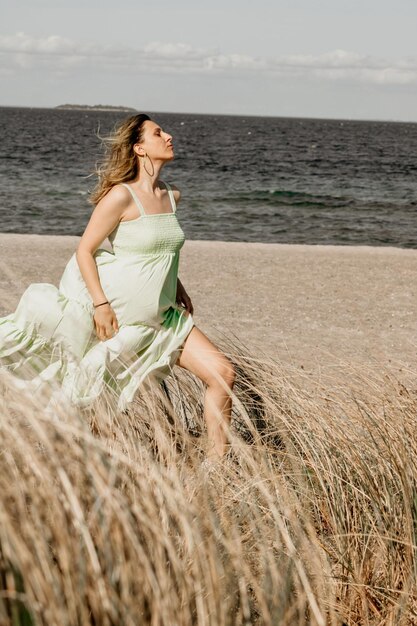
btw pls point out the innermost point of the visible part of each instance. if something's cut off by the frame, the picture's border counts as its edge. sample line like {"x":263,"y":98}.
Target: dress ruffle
{"x":50,"y":338}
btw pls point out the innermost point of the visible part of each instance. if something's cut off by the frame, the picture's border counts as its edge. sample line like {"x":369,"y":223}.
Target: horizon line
{"x":288,"y":117}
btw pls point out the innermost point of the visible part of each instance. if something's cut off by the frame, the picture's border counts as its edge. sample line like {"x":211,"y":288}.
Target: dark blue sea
{"x":242,"y":178}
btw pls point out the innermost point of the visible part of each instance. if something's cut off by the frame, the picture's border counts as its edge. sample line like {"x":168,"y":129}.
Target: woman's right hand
{"x":105,"y":322}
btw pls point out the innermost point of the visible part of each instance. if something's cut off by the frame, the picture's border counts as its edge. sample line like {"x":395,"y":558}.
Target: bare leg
{"x":201,"y":357}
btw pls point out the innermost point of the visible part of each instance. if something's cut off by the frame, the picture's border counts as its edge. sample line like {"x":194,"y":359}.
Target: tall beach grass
{"x":107,"y":518}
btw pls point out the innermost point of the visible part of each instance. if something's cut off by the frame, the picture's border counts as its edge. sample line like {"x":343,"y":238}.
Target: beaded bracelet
{"x":101,"y":304}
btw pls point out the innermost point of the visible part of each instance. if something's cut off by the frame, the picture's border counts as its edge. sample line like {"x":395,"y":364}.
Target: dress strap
{"x":135,"y":198}
{"x":171,"y":196}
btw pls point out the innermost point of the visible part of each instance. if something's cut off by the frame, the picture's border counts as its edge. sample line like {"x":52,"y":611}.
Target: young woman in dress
{"x":120,"y":316}
{"x":139,"y":149}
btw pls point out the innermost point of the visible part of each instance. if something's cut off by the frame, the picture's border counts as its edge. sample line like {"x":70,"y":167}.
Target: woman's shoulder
{"x":117,"y":195}
{"x":175,"y":191}
{"x":119,"y":191}
{"x":114,"y":201}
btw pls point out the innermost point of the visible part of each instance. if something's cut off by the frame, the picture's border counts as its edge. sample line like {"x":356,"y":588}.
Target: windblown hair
{"x":120,"y":163}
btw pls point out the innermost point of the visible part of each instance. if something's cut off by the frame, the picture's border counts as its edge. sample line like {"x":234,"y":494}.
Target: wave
{"x":282,"y":197}
{"x":287,"y":198}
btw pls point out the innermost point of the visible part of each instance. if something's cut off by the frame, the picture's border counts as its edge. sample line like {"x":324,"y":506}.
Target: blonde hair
{"x":120,"y":163}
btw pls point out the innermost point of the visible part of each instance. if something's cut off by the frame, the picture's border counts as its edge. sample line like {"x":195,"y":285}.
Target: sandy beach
{"x":315,"y":502}
{"x":320,"y":309}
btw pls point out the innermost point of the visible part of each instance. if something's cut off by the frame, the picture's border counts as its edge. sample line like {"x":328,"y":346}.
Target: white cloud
{"x":21,"y":43}
{"x":59,"y":54}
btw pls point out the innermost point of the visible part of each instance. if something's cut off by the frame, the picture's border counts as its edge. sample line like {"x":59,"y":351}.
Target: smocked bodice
{"x":149,"y":234}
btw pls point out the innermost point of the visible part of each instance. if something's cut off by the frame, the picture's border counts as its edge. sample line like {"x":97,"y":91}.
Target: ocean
{"x":242,"y":178}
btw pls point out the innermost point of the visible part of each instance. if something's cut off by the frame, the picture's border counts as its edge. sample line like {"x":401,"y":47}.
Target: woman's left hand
{"x":183,"y":299}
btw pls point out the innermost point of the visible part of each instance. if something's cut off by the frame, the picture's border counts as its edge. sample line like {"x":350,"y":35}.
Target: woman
{"x":121,"y":316}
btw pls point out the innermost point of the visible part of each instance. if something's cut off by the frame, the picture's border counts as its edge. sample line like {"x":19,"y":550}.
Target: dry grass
{"x":107,"y":519}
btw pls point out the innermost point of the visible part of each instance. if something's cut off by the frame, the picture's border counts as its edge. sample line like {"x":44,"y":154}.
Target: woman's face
{"x":156,"y":142}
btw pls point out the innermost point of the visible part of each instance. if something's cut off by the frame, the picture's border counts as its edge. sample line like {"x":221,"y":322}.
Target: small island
{"x":95,"y":107}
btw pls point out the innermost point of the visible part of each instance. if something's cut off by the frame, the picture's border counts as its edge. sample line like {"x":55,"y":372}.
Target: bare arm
{"x":103,"y":221}
{"x":182,"y":296}
{"x":177,"y":196}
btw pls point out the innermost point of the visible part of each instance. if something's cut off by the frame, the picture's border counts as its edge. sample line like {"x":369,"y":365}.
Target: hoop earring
{"x":144,"y":166}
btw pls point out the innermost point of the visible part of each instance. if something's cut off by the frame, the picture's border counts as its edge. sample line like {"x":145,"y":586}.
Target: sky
{"x":347,"y":59}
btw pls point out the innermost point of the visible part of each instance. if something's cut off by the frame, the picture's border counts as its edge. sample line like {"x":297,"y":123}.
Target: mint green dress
{"x":51,"y":337}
